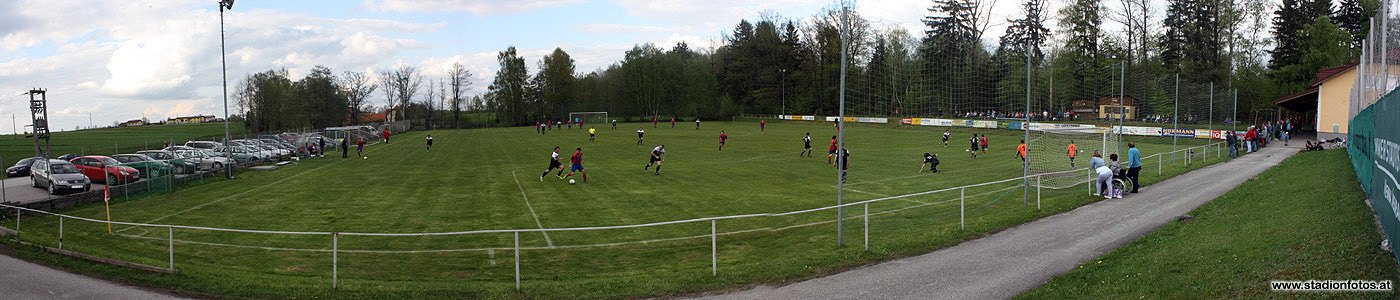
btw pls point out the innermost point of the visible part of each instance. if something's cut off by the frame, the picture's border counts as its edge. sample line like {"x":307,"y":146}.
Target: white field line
{"x":532,"y":209}
{"x":491,"y":250}
{"x":238,"y":194}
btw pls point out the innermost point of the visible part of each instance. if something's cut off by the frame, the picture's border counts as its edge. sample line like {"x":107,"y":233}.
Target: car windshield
{"x":109,"y":161}
{"x":25,"y":162}
{"x":63,"y":169}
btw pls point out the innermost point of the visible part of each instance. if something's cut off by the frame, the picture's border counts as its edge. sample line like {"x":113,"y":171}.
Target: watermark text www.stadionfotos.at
{"x":1331,"y":285}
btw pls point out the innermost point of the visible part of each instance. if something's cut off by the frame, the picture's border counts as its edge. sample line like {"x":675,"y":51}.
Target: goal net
{"x":597,"y":117}
{"x":1050,"y":154}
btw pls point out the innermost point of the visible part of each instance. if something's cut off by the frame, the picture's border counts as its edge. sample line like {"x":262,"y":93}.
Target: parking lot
{"x":19,"y":190}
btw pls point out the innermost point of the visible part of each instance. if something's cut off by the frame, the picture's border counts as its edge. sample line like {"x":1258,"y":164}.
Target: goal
{"x":596,"y":117}
{"x":1049,"y":154}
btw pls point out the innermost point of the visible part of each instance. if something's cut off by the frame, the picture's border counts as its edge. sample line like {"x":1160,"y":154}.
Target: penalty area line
{"x":532,"y":209}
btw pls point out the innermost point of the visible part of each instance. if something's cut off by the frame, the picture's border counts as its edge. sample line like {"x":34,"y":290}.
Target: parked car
{"x":204,"y":144}
{"x":262,"y":154}
{"x":21,"y":167}
{"x":68,"y":157}
{"x":241,"y":154}
{"x":204,"y":159}
{"x":149,"y":167}
{"x":182,"y":165}
{"x":58,"y":176}
{"x":105,"y":169}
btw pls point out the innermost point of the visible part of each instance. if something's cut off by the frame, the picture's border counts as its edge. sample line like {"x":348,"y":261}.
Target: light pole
{"x":223,"y":60}
{"x":782,"y":90}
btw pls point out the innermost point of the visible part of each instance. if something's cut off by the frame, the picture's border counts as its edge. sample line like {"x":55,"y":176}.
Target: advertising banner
{"x":1178,"y":132}
{"x":906,"y":121}
{"x":1138,"y":130}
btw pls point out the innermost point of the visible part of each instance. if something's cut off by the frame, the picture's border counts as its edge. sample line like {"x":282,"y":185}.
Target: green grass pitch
{"x":489,"y":179}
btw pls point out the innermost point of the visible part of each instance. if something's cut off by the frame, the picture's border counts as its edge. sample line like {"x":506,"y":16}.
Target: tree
{"x":405,"y":81}
{"x":556,"y":82}
{"x":459,"y":80}
{"x":386,"y":84}
{"x":322,"y":101}
{"x":428,"y":102}
{"x":507,"y":91}
{"x":356,"y":87}
{"x":1354,"y":17}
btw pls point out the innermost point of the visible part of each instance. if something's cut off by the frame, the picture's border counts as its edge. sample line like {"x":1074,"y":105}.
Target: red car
{"x":92,"y":166}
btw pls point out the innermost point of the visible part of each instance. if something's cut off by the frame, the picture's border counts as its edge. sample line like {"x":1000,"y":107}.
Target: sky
{"x":111,"y":61}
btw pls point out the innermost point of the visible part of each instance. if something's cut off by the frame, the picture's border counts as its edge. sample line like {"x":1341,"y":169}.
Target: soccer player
{"x":344,"y":148}
{"x":653,"y":122}
{"x":360,"y":147}
{"x":640,"y":134}
{"x":722,"y":138}
{"x":845,"y":162}
{"x":592,"y":134}
{"x":554,"y":164}
{"x":945,"y":138}
{"x":1072,"y":151}
{"x":974,"y":142}
{"x":931,"y":161}
{"x":614,"y":124}
{"x":658,"y":155}
{"x":386,"y":135}
{"x":984,"y":144}
{"x":1021,"y":151}
{"x":697,"y":123}
{"x":673,"y":121}
{"x":762,"y":125}
{"x":430,"y":143}
{"x":577,"y":161}
{"x":831,"y":152}
{"x":806,"y":145}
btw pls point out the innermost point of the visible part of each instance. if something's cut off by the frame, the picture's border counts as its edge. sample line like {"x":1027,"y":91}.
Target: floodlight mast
{"x":223,"y":60}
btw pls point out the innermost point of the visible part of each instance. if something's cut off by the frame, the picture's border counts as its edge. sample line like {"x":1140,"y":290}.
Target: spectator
{"x":1116,"y":169}
{"x":344,"y":148}
{"x":1134,"y":165}
{"x":1095,"y":163}
{"x":1105,"y":175}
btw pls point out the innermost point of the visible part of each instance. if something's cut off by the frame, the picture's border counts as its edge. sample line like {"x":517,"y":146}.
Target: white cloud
{"x":619,"y":28}
{"x":477,"y":7}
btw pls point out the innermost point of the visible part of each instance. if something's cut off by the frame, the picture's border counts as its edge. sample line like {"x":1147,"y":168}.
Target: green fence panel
{"x":1374,"y":144}
{"x":1361,"y":129}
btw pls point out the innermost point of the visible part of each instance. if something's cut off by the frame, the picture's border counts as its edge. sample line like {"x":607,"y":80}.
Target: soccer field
{"x":489,"y":179}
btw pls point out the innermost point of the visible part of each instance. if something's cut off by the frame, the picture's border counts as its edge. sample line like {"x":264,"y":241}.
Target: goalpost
{"x":593,"y":117}
{"x":1049,"y":154}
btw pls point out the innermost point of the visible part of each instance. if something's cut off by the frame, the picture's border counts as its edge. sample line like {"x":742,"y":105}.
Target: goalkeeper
{"x":931,"y":161}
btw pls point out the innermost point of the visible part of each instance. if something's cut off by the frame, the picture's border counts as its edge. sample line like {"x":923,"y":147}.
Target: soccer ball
{"x":571,"y":181}
{"x":366,"y":157}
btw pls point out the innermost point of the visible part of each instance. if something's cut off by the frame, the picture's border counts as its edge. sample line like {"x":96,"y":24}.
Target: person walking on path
{"x":1134,"y":165}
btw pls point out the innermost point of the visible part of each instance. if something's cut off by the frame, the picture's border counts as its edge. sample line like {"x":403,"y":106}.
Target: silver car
{"x":58,"y":176}
{"x":206,"y":161}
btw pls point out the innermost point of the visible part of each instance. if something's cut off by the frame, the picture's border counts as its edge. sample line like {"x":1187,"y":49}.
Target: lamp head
{"x":226,"y":4}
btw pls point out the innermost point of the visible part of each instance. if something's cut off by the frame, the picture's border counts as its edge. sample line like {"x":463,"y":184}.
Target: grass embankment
{"x":1304,"y":219}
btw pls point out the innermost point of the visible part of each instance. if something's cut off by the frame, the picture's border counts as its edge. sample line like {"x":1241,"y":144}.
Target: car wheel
{"x":52,"y":191}
{"x":34,"y":182}
{"x":111,"y":178}
{"x":218,"y":166}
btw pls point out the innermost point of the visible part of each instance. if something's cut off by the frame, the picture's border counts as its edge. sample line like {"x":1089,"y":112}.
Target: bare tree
{"x":357,"y":88}
{"x":460,"y":80}
{"x":428,"y":101}
{"x":405,"y":81}
{"x":386,"y":84}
